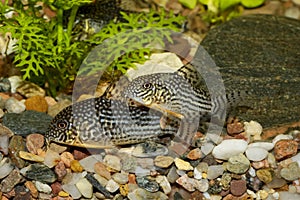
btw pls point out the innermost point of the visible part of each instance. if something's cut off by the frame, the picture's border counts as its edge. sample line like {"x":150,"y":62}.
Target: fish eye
{"x":147,"y":85}
{"x":61,"y":124}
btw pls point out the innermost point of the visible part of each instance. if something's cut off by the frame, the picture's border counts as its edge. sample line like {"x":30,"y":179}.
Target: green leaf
{"x":252,"y":3}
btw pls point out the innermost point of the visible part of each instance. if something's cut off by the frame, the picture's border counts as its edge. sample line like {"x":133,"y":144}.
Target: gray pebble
{"x":141,"y":194}
{"x":147,"y":184}
{"x":12,"y":105}
{"x":39,"y":172}
{"x":238,"y":164}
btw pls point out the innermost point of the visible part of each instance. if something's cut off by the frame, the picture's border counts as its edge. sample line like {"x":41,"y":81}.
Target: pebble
{"x":164,"y":183}
{"x":235,"y":127}
{"x":34,"y":142}
{"x":57,"y":148}
{"x":27,"y":122}
{"x":297,"y":2}
{"x":214,"y":171}
{"x":37,"y":103}
{"x":292,"y":172}
{"x":42,"y":187}
{"x":147,"y":184}
{"x":163,"y":161}
{"x":172,"y":176}
{"x":256,"y":153}
{"x":31,"y":187}
{"x":238,"y":164}
{"x":5,"y":85}
{"x":288,"y":195}
{"x":12,"y":105}
{"x":10,"y":181}
{"x":207,"y":148}
{"x":224,"y":150}
{"x":51,"y":158}
{"x":85,"y":188}
{"x":146,"y":163}
{"x":182,"y":165}
{"x":265,"y":175}
{"x":60,"y":170}
{"x":285,"y":149}
{"x":253,"y":128}
{"x":96,"y":184}
{"x":5,"y":167}
{"x":2,"y":113}
{"x":194,"y":154}
{"x":30,"y":157}
{"x":265,"y":145}
{"x":149,"y":149}
{"x":187,"y":183}
{"x":276,"y":182}
{"x":56,"y":188}
{"x":103,"y":181}
{"x":16,"y":145}
{"x":66,"y":158}
{"x":141,"y":194}
{"x":292,"y":12}
{"x":72,"y":190}
{"x":238,"y":187}
{"x":120,"y":178}
{"x":101,"y":170}
{"x":39,"y":172}
{"x":197,"y":173}
{"x":112,"y":186}
{"x":5,"y":134}
{"x":112,"y":162}
{"x":89,"y":162}
{"x":29,"y":89}
{"x":281,"y":137}
{"x":225,"y":181}
{"x":201,"y":185}
{"x":76,"y":166}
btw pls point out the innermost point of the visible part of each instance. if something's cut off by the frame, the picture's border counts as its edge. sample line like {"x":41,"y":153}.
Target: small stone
{"x":63,"y":194}
{"x":139,"y":171}
{"x":276,"y":183}
{"x":5,"y":167}
{"x":60,"y":170}
{"x":163,"y":161}
{"x":297,"y":2}
{"x":187,"y":183}
{"x":288,"y":195}
{"x":103,"y":181}
{"x":29,"y":89}
{"x":31,"y":187}
{"x":2,"y":113}
{"x":256,"y":153}
{"x":214,"y":171}
{"x":75,"y":166}
{"x":253,"y":128}
{"x":113,"y":162}
{"x":164,"y":184}
{"x":238,"y":164}
{"x":140,"y":194}
{"x":34,"y":142}
{"x":260,"y":164}
{"x":51,"y":158}
{"x":202,"y":185}
{"x":72,"y":190}
{"x":89,"y":162}
{"x":292,"y":172}
{"x":42,"y":187}
{"x":195,"y":154}
{"x":147,"y":184}
{"x":121,"y":178}
{"x":235,"y":127}
{"x":112,"y":186}
{"x":131,"y":179}
{"x":66,"y":158}
{"x":96,"y":184}
{"x":197,"y":173}
{"x":182,"y":165}
{"x":56,"y":188}
{"x":149,"y":149}
{"x":101,"y":170}
{"x":85,"y":188}
{"x":224,"y":150}
{"x":225,"y":181}
{"x":5,"y":134}
{"x":238,"y":187}
{"x":12,"y":105}
{"x":31,"y":157}
{"x":265,"y":145}
{"x":146,"y":163}
{"x":264,"y":175}
{"x":292,"y":12}
{"x":124,"y":190}
{"x":37,"y":103}
{"x":57,"y":148}
{"x":172,"y":175}
{"x":285,"y":149}
{"x":207,"y":148}
{"x":16,"y":145}
{"x":10,"y":181}
{"x":39,"y":172}
{"x":281,"y":137}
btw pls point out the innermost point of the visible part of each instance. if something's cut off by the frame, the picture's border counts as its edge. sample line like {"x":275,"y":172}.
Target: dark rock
{"x":39,"y":172}
{"x":4,"y":85}
{"x":97,"y":185}
{"x":27,"y":122}
{"x":147,"y":184}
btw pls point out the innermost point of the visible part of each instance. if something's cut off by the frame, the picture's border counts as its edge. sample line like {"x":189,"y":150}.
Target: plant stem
{"x":72,"y":20}
{"x":60,"y":30}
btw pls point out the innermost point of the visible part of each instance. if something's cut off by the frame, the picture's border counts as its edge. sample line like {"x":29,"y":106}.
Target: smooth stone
{"x":187,"y":183}
{"x":120,"y":178}
{"x":89,"y":162}
{"x":16,"y":145}
{"x":29,"y":89}
{"x":292,"y":172}
{"x":281,"y":137}
{"x":256,"y":153}
{"x":182,"y":165}
{"x":201,"y":185}
{"x":5,"y":167}
{"x":85,"y":188}
{"x":12,"y":105}
{"x":288,"y":195}
{"x":60,"y":170}
{"x":146,"y":163}
{"x":30,"y":157}
{"x":164,"y":183}
{"x":5,"y":85}
{"x":101,"y":170}
{"x":194,"y":154}
{"x":66,"y":158}
{"x":57,"y":148}
{"x":112,"y":186}
{"x":8,"y":183}
{"x":42,"y":187}
{"x":285,"y":149}
{"x":113,"y":162}
{"x":37,"y":103}
{"x":141,"y":194}
{"x":238,"y":187}
{"x":207,"y":148}
{"x":39,"y":172}
{"x":292,"y":12}
{"x":238,"y":164}
{"x":96,"y":184}
{"x":139,"y":171}
{"x":147,"y":184}
{"x":51,"y":158}
{"x":225,"y":181}
{"x":103,"y":181}
{"x":172,"y":175}
{"x":265,"y":145}
{"x":2,"y":113}
{"x":73,"y":178}
{"x":163,"y":161}
{"x":253,"y":128}
{"x":5,"y":134}
{"x":197,"y":173}
{"x":276,"y":183}
{"x":225,"y":149}
{"x":214,"y":171}
{"x":265,"y":175}
{"x":34,"y":142}
{"x":76,"y":167}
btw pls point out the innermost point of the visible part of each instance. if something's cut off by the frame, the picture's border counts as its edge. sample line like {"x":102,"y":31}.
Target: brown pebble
{"x":131,"y":179}
{"x":78,"y":155}
{"x":34,"y":142}
{"x":163,"y":161}
{"x":67,"y":157}
{"x":37,"y":103}
{"x":197,"y":195}
{"x":194,"y":154}
{"x":60,"y":170}
{"x":31,"y":187}
{"x":260,"y":164}
{"x":101,"y":170}
{"x":56,"y":188}
{"x":75,"y":166}
{"x":4,"y":96}
{"x":235,"y":127}
{"x":285,"y":149}
{"x":238,"y":187}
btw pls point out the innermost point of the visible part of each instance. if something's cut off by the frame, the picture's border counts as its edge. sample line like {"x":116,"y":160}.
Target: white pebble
{"x":164,"y":184}
{"x":281,"y":137}
{"x":51,"y":158}
{"x":292,"y":12}
{"x":252,"y":172}
{"x":42,"y":187}
{"x":4,"y":140}
{"x":5,"y":167}
{"x":207,"y":148}
{"x":89,"y":162}
{"x":253,"y":128}
{"x":72,"y":190}
{"x":112,"y":186}
{"x":288,"y":195}
{"x":12,"y":105}
{"x":113,"y":162}
{"x":229,"y":148}
{"x":197,"y":174}
{"x":85,"y":188}
{"x":256,"y":153}
{"x":265,"y":145}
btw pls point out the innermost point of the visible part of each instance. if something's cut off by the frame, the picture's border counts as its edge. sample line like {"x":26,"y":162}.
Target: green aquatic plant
{"x":50,"y":53}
